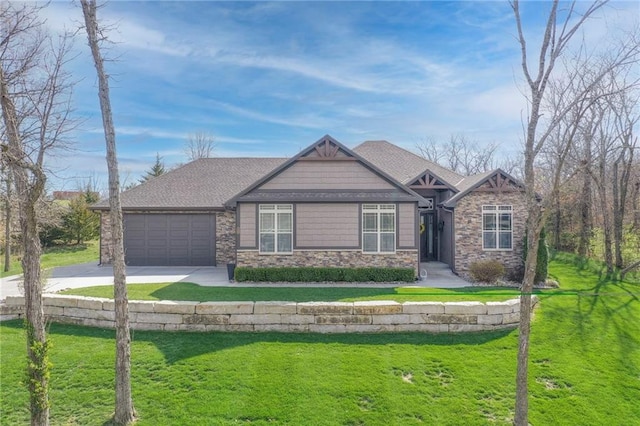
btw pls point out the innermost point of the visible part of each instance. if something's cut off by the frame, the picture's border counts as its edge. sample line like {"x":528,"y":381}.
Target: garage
{"x":170,"y":239}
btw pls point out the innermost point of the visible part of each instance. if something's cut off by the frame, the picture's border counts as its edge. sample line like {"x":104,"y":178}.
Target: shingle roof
{"x":201,"y":184}
{"x":401,"y":164}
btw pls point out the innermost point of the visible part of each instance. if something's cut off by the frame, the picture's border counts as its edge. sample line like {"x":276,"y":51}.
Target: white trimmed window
{"x":379,"y":228}
{"x":497,"y":227}
{"x":276,"y":228}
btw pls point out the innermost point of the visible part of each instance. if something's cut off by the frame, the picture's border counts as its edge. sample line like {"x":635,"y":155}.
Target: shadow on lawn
{"x":607,"y":309}
{"x":177,"y":346}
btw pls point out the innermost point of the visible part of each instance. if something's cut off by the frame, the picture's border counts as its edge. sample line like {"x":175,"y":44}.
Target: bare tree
{"x":623,"y":108}
{"x":199,"y":145}
{"x":7,"y":219}
{"x":124,"y":411}
{"x":460,"y":154}
{"x":560,"y":29}
{"x":35,"y":94}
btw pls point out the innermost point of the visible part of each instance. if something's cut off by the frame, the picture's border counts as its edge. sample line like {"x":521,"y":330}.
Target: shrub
{"x":309,"y":274}
{"x":486,"y":271}
{"x":542,"y":265}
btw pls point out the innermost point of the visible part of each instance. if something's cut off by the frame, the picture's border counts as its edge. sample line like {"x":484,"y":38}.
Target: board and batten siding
{"x":327,"y":175}
{"x":247,"y":225}
{"x":327,"y":226}
{"x":407,"y":225}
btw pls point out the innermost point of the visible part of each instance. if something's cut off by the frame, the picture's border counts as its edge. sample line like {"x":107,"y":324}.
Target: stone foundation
{"x":316,"y":317}
{"x":330,"y":259}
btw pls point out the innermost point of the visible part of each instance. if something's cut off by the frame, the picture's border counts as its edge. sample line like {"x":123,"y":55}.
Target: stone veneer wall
{"x":225,"y":237}
{"x":468,"y":230}
{"x":330,"y":258}
{"x":105,"y":238}
{"x":318,"y":317}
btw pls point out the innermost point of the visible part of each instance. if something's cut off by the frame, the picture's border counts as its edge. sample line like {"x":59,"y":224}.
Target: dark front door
{"x":428,"y":237}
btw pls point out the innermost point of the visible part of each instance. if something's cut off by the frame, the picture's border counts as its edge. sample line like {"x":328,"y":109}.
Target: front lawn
{"x":584,"y":370}
{"x":196,"y":293}
{"x":60,"y":256}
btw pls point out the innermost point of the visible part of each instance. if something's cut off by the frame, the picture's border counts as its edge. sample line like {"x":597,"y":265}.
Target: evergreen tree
{"x":156,"y":170}
{"x":80,"y":224}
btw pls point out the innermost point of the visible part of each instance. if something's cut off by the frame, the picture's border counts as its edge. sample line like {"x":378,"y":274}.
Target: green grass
{"x":60,"y":256}
{"x":194,"y":292}
{"x":584,"y":370}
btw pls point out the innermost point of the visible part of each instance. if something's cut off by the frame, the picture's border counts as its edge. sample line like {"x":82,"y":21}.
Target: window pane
{"x":267,"y":207}
{"x":387,"y":206}
{"x":387,"y":222}
{"x":370,"y":242}
{"x":505,"y":240}
{"x":505,"y":221}
{"x":267,"y":243}
{"x":488,"y":208}
{"x":489,"y":240}
{"x":284,"y":222}
{"x":387,"y":242}
{"x":370,"y":222}
{"x":284,"y":243}
{"x":488,"y":222}
{"x":267,"y":222}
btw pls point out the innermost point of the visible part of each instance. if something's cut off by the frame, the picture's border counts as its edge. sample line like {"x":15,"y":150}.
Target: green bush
{"x":486,"y":271}
{"x":309,"y":274}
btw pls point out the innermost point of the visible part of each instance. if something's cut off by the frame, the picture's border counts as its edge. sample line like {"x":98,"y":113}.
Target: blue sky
{"x":268,"y":79}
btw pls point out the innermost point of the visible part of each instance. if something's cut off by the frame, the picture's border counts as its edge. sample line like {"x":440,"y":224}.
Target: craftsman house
{"x":374,"y":205}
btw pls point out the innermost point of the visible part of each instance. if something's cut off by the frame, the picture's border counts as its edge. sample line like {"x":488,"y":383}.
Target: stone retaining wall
{"x":317,"y":317}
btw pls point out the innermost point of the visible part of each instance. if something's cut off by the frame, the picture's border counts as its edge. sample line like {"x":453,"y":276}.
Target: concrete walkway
{"x":90,"y":274}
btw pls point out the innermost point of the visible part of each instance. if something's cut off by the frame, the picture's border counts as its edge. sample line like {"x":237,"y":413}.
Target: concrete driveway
{"x":91,"y":274}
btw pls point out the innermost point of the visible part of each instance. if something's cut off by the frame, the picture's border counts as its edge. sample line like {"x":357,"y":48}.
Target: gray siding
{"x":247,"y":223}
{"x":407,"y":226}
{"x":445,"y":253}
{"x":327,"y":175}
{"x":327,"y":226}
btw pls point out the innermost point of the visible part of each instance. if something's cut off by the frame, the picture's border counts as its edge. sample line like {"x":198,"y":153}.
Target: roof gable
{"x":429,"y":180}
{"x":496,"y":181}
{"x":325,"y":167}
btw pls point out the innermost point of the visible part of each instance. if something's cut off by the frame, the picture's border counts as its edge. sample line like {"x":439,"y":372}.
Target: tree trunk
{"x":635,"y":202}
{"x":586,"y":222}
{"x":557,"y":226}
{"x":29,"y":189}
{"x":37,"y":344}
{"x":7,"y":226}
{"x":618,"y":215}
{"x":606,"y":222}
{"x":124,"y":411}
{"x":635,"y":198}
